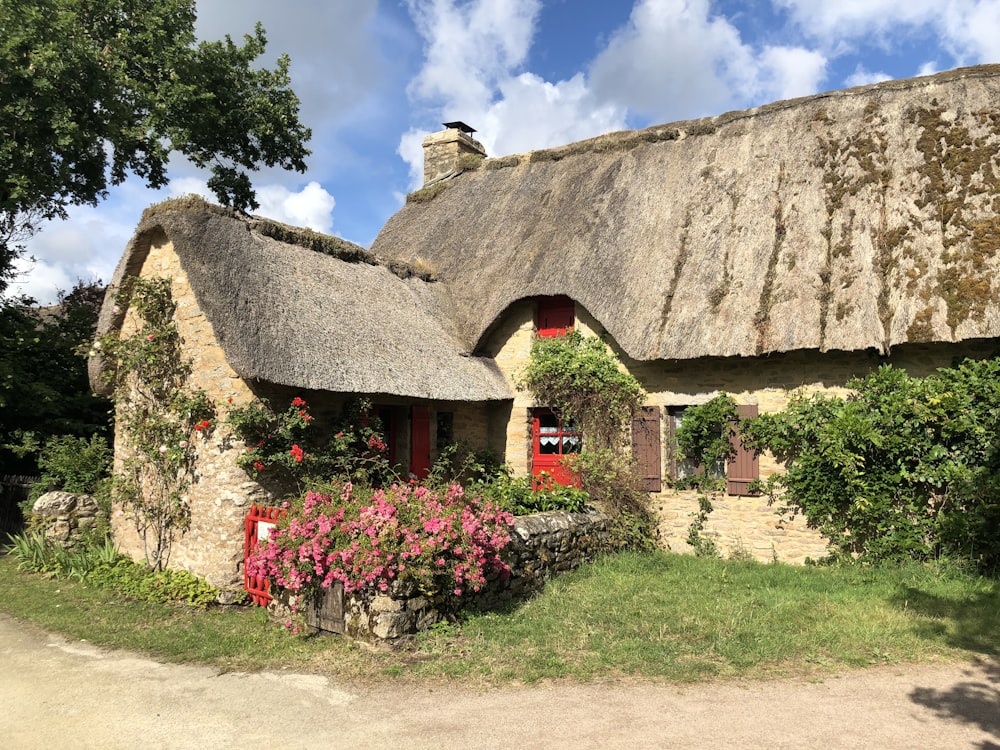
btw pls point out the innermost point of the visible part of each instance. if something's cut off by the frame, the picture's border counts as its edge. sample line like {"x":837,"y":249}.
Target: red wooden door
{"x":420,"y":441}
{"x":552,"y":440}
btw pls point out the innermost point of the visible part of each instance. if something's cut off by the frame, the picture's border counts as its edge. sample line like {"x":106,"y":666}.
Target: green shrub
{"x":99,"y":563}
{"x":609,"y":480}
{"x":70,"y":464}
{"x":906,"y":468}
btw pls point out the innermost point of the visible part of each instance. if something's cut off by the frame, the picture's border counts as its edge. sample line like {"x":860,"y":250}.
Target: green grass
{"x":655,"y":616}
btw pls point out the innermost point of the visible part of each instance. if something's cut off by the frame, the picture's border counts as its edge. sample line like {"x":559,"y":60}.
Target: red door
{"x":552,"y":440}
{"x":420,"y":441}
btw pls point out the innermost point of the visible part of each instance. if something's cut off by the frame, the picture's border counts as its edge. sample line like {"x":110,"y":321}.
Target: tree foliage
{"x":44,"y":390}
{"x":904,"y":468}
{"x":96,"y":89}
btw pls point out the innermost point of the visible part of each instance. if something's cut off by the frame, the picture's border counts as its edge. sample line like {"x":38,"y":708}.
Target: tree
{"x":93,"y":90}
{"x":44,"y":390}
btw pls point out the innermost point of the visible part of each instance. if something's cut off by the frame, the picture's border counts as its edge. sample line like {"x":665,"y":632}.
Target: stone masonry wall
{"x":221,"y":492}
{"x":542,"y":545}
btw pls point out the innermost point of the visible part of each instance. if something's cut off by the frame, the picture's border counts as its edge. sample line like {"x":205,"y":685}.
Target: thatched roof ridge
{"x":849,"y":220}
{"x":287,"y":315}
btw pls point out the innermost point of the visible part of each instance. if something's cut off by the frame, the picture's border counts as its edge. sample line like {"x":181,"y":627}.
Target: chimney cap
{"x":459,"y":125}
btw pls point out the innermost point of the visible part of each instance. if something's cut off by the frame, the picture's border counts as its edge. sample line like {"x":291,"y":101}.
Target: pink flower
{"x":150,"y":337}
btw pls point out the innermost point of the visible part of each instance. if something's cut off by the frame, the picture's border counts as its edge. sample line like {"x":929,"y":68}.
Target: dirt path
{"x":56,"y":693}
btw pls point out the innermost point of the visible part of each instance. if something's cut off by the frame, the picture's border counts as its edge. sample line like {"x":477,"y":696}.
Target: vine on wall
{"x":703,"y":438}
{"x":159,"y":416}
{"x":581,"y":380}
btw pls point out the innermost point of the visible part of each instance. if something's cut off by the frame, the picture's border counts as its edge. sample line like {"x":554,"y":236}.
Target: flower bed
{"x":443,"y":546}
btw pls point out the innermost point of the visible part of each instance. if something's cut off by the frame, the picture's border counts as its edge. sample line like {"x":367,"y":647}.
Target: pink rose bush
{"x":445,"y":543}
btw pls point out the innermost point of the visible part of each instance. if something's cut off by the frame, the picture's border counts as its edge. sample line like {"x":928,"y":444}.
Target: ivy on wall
{"x":582,"y":381}
{"x":159,"y":416}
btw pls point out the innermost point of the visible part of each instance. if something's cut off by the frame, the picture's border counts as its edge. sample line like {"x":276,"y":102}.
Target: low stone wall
{"x":542,"y":545}
{"x":65,"y":516}
{"x":740,"y":527}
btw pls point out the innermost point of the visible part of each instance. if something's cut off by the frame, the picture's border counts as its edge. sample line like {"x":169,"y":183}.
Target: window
{"x":555,"y":316}
{"x":552,"y":439}
{"x":445,"y":433}
{"x":739,"y":472}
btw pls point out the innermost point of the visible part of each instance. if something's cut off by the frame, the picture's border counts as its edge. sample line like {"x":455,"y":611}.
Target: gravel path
{"x":56,"y":693}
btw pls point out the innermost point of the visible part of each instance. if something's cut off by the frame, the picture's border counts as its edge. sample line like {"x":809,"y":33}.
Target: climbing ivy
{"x":703,"y":438}
{"x":159,"y":416}
{"x":582,"y":381}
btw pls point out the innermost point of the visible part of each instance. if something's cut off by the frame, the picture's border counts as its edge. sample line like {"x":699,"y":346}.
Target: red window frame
{"x":546,"y":435}
{"x":554,"y":316}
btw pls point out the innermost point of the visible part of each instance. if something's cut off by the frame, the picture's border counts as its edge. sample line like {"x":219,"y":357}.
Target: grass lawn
{"x":657,"y":616}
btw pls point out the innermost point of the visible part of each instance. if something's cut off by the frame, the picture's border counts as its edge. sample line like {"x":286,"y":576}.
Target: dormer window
{"x":555,"y":316}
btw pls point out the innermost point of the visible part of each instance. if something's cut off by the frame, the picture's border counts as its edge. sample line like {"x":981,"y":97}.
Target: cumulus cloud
{"x":475,"y":53}
{"x":310,"y":207}
{"x":862,"y":77}
{"x":787,"y":72}
{"x":968,"y":29}
{"x":84,"y":247}
{"x":674,"y":59}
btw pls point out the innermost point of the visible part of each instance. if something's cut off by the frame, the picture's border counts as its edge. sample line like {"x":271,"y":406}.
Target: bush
{"x":289,"y":446}
{"x":445,"y":544}
{"x":906,"y":468}
{"x":610,"y":481}
{"x":99,"y":563}
{"x":70,"y":464}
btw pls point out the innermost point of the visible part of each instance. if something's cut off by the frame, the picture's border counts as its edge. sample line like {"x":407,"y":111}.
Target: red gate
{"x":259,"y":522}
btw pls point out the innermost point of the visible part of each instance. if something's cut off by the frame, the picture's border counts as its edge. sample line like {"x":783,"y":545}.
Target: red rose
{"x":298,"y":402}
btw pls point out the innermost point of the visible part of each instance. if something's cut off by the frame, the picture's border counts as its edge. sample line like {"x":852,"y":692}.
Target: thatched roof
{"x":851,"y":220}
{"x":309,"y":311}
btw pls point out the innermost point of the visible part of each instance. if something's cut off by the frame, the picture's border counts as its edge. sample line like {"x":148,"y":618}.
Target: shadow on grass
{"x":969,"y":622}
{"x":974,"y":701}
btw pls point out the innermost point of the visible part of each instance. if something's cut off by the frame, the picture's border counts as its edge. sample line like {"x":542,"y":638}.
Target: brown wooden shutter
{"x":646,"y":448}
{"x":744,"y":467}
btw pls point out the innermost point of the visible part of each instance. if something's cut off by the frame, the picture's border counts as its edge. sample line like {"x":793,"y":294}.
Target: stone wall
{"x":739,"y":527}
{"x":542,"y":545}
{"x":66,"y":517}
{"x":221,"y":493}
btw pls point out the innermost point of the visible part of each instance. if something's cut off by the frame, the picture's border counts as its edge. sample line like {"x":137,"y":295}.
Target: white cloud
{"x":310,"y":207}
{"x":86,"y":247}
{"x":475,"y":52}
{"x":968,"y":29}
{"x":533,"y":113}
{"x":469,"y":47}
{"x":787,"y":72}
{"x":674,"y":59}
{"x":862,"y":77}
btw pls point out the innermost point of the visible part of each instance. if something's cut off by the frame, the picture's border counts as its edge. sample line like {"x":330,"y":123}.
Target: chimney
{"x":450,"y":151}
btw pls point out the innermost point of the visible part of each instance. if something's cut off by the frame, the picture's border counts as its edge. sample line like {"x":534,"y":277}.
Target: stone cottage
{"x":790,"y":246}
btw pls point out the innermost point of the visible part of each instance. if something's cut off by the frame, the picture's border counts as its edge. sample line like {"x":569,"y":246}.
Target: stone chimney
{"x":450,"y":151}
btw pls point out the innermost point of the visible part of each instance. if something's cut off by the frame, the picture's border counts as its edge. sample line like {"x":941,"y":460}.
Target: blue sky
{"x":374,"y":77}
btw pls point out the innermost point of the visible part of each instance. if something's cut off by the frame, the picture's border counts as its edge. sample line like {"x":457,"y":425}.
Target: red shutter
{"x":646,"y":448}
{"x":420,"y":441}
{"x":744,"y":467}
{"x":556,"y":316}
